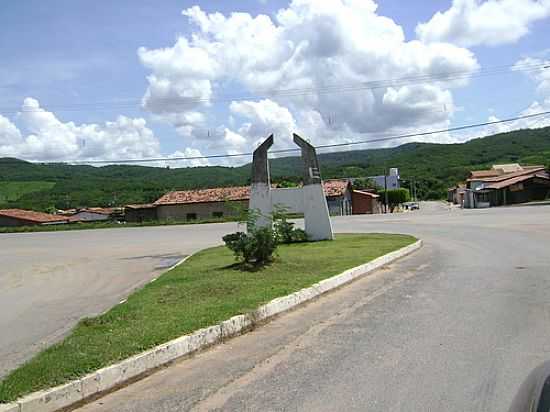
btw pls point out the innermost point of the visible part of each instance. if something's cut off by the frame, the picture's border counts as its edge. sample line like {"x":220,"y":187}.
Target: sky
{"x":104,"y":80}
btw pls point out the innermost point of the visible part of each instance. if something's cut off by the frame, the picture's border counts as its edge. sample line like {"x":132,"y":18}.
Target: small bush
{"x":236,"y":242}
{"x":252,"y":249}
{"x":284,"y":230}
{"x":299,"y":235}
{"x":264,"y":245}
{"x":256,"y":248}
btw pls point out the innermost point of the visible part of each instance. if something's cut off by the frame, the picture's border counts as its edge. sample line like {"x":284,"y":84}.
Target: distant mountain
{"x":434,"y":167}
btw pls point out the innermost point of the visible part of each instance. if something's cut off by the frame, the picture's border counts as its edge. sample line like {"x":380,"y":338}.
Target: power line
{"x":289,"y":150}
{"x":182,"y":102}
{"x":336,"y":88}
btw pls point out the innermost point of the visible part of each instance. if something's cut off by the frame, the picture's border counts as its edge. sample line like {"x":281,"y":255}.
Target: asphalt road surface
{"x":50,"y":280}
{"x":457,"y":326}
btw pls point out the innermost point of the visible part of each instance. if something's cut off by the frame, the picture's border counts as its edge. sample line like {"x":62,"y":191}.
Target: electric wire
{"x":333,"y":145}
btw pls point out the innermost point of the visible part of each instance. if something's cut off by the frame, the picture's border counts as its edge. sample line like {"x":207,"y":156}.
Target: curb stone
{"x":9,"y":407}
{"x":110,"y":377}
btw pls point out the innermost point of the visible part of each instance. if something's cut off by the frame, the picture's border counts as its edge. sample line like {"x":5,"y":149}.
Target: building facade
{"x":506,"y":184}
{"x":93,"y":214}
{"x":391,"y":181}
{"x":140,"y":213}
{"x":201,"y":211}
{"x":219,"y":203}
{"x":338,"y":193}
{"x":365,"y":202}
{"x":202,"y":204}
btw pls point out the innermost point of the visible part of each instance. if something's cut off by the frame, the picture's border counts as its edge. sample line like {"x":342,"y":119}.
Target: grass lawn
{"x":204,"y":291}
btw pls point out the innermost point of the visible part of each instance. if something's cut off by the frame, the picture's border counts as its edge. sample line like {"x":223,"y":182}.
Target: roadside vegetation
{"x":207,"y":289}
{"x":395,"y":197}
{"x":433,"y":168}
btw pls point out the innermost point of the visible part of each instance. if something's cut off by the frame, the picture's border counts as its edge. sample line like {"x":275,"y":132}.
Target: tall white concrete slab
{"x":290,"y":198}
{"x":261,"y":202}
{"x":260,"y":190}
{"x":309,"y":200}
{"x":316,"y":216}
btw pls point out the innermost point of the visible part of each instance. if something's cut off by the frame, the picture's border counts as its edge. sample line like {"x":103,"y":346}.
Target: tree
{"x":395,"y":197}
{"x":363,"y":183}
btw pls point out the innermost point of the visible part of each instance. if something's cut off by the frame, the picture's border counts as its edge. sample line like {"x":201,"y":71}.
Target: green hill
{"x":12,"y":191}
{"x":434,"y":166}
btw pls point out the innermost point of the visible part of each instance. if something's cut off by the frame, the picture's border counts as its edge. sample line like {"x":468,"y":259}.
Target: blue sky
{"x":79,"y":61}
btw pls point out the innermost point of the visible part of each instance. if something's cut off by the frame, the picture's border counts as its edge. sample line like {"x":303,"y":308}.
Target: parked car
{"x":411,"y":206}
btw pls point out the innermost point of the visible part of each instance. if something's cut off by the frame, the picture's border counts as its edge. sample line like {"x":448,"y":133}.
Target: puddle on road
{"x":163,"y":261}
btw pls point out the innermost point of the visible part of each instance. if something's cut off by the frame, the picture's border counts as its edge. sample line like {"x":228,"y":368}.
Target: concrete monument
{"x":309,"y":199}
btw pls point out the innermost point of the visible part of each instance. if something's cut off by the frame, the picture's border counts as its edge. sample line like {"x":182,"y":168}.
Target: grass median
{"x":204,"y":291}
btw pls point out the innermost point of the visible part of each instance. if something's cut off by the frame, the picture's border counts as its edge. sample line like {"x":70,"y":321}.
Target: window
{"x":217,"y":214}
{"x":191,"y":216}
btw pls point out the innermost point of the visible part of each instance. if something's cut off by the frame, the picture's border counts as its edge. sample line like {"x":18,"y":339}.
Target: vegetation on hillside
{"x":432,"y":167}
{"x":13,"y":191}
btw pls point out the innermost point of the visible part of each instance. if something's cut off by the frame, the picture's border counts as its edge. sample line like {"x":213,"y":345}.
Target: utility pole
{"x":386,"y":190}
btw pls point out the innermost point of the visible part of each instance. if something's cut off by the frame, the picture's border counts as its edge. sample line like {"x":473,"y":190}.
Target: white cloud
{"x":317,"y":55}
{"x":9,"y":133}
{"x":260,"y":120}
{"x":49,"y":138}
{"x":541,"y":77}
{"x":528,"y":123}
{"x":470,"y":23}
{"x":194,"y":155}
{"x":542,"y":80}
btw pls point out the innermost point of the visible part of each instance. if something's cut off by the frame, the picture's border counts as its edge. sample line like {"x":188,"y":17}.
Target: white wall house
{"x":392,"y":179}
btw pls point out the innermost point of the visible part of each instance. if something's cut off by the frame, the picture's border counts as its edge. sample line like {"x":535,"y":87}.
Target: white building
{"x":392,"y":180}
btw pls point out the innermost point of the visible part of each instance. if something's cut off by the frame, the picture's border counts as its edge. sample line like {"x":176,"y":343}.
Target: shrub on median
{"x":256,"y":248}
{"x":252,"y":249}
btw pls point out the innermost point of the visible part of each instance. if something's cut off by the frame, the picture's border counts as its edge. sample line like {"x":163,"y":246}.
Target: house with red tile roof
{"x":20,"y":217}
{"x":506,"y":184}
{"x":223,"y":202}
{"x":338,"y":194}
{"x":365,"y":202}
{"x":215,"y":203}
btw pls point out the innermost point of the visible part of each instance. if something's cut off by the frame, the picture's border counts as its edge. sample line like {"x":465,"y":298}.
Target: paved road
{"x":454,"y":327}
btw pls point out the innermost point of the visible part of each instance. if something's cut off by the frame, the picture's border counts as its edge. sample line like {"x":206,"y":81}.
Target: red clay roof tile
{"x":517,"y":179}
{"x":219,"y":194}
{"x":334,"y":187}
{"x":32,"y":216}
{"x":495,"y":176}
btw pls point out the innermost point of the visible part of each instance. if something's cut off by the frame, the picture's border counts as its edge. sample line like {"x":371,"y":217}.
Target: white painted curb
{"x":105,"y":379}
